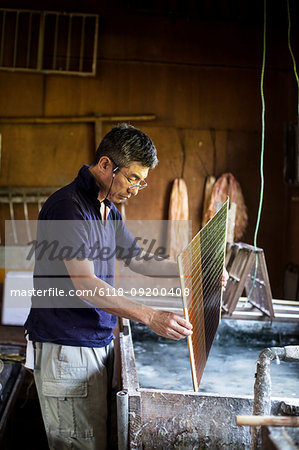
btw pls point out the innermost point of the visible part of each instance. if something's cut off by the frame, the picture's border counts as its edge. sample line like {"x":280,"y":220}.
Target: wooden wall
{"x":201,"y":79}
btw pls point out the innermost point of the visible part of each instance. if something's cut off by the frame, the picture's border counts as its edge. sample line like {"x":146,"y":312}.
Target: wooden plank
{"x":259,"y":288}
{"x":74,"y":119}
{"x":178,"y":215}
{"x":272,"y":421}
{"x":130,"y":384}
{"x":238,"y":274}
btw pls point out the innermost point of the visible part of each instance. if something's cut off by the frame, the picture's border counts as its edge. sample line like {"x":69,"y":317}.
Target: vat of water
{"x":164,"y":411}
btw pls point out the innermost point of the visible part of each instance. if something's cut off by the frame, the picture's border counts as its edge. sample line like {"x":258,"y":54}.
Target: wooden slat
{"x":74,"y":119}
{"x":273,"y":421}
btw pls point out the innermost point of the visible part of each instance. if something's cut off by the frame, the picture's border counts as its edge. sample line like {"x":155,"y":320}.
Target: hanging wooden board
{"x":227,"y":185}
{"x":178,"y":215}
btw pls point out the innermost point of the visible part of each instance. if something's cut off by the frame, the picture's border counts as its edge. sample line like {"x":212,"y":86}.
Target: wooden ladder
{"x":246,"y":266}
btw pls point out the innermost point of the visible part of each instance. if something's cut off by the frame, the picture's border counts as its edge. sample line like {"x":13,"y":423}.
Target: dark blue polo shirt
{"x":70,"y":226}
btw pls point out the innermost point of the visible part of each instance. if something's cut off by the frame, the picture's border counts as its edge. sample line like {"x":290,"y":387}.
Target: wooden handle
{"x":274,"y":421}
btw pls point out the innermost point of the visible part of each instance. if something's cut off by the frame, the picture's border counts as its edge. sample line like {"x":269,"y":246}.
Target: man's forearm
{"x":164,"y":323}
{"x":152,"y":266}
{"x":118,"y":305}
{"x":98,"y":293}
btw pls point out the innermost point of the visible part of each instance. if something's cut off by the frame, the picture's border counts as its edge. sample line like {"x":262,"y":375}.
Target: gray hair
{"x":125,"y":144}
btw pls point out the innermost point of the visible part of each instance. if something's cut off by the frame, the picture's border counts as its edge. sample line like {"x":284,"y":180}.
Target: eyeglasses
{"x":138,"y":186}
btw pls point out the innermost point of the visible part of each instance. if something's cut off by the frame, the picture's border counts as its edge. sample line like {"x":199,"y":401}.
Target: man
{"x":80,"y":233}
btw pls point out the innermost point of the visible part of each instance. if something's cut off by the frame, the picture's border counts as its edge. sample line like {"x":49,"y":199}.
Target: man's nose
{"x":133,"y":190}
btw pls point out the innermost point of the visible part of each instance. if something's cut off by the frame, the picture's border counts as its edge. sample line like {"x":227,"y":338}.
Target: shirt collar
{"x":88,"y":184}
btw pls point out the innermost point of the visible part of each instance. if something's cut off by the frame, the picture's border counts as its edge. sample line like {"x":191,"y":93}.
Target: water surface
{"x":230,"y":369}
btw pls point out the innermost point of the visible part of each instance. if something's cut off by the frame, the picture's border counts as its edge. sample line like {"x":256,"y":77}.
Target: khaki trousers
{"x":72,"y":385}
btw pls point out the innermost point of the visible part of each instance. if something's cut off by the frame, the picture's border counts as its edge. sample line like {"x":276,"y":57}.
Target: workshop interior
{"x":215,"y":85}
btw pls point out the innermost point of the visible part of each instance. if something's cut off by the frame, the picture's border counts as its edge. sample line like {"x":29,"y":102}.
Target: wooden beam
{"x":273,"y":421}
{"x":74,"y":119}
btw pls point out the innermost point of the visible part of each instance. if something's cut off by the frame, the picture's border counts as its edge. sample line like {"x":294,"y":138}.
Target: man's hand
{"x":164,"y":323}
{"x":169,"y":325}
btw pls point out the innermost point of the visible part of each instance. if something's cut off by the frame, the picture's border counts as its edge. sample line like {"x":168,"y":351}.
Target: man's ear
{"x":104,"y":163}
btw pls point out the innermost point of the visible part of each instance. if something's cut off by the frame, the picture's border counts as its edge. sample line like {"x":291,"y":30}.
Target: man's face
{"x":121,"y":188}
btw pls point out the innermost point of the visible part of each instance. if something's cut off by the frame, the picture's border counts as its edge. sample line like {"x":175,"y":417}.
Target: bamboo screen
{"x":201,"y":266}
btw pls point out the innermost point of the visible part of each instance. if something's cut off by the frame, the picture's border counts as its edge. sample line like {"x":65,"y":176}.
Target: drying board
{"x":201,"y":266}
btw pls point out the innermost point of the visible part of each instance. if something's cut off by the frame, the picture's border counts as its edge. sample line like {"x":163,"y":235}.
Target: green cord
{"x":262,"y":153}
{"x":291,"y":51}
{"x":263,"y":134}
{"x":263,"y":130}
